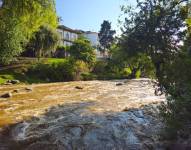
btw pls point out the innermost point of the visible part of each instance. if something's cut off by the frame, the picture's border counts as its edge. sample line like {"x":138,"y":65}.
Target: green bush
{"x":107,"y":70}
{"x":68,"y":70}
{"x":126,"y":71}
{"x":55,"y":72}
{"x":99,"y":67}
{"x":82,"y":50}
{"x":61,"y":52}
{"x":88,"y":76}
{"x":79,"y":68}
{"x":138,"y":74}
{"x":176,"y":112}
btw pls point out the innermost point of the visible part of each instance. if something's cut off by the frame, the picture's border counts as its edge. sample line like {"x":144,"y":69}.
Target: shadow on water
{"x":7,"y":139}
{"x":73,"y":126}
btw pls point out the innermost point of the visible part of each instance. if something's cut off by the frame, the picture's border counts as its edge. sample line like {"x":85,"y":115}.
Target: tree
{"x":25,"y":17}
{"x":44,"y":41}
{"x":140,"y":63}
{"x":106,"y":36}
{"x":32,"y":14}
{"x":11,"y":37}
{"x":157,"y":28}
{"x":82,"y":50}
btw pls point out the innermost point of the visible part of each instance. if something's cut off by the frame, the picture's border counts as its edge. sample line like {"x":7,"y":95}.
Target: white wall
{"x":67,"y":36}
{"x":93,"y":38}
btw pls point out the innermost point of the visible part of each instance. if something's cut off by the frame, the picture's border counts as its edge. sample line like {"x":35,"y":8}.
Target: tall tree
{"x":32,"y":14}
{"x":106,"y":35}
{"x":26,"y":17}
{"x":44,"y":41}
{"x":157,"y":28}
{"x":11,"y":36}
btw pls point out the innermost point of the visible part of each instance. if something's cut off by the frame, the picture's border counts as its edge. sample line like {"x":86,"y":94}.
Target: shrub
{"x":126,"y":72}
{"x":82,"y":50}
{"x":138,"y":74}
{"x":88,"y":76}
{"x":109,"y":70}
{"x":99,"y":67}
{"x":61,"y":52}
{"x":68,"y":70}
{"x":177,"y":83}
{"x":79,"y":68}
{"x":55,"y":72}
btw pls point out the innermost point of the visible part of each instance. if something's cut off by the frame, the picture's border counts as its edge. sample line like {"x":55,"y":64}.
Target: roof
{"x":63,"y":27}
{"x":69,"y":29}
{"x":90,"y":32}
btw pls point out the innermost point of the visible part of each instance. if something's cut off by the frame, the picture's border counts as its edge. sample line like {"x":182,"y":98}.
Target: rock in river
{"x":13,"y":81}
{"x":79,"y":87}
{"x":119,"y":84}
{"x":6,"y":95}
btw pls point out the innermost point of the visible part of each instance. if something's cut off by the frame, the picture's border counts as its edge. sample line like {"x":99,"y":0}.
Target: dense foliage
{"x":61,"y":51}
{"x":11,"y":39}
{"x":82,"y":50}
{"x":106,"y":36}
{"x":68,"y":70}
{"x":31,"y":14}
{"x":139,"y":65}
{"x":157,"y":28}
{"x":20,"y":18}
{"x":44,"y":41}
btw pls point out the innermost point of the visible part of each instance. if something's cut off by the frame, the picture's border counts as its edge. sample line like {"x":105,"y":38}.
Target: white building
{"x":68,"y":36}
{"x":94,"y":39}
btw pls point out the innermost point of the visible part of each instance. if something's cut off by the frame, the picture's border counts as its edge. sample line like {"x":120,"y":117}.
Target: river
{"x":82,"y":115}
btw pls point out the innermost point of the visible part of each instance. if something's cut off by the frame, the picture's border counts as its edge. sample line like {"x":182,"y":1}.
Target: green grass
{"x":5,"y":77}
{"x":19,"y":72}
{"x":28,"y":60}
{"x":12,"y":74}
{"x":53,"y":60}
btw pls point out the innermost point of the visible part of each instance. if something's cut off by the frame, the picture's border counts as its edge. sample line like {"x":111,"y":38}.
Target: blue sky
{"x":89,"y":14}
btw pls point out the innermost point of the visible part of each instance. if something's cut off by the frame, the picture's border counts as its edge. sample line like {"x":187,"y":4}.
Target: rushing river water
{"x":85,"y":115}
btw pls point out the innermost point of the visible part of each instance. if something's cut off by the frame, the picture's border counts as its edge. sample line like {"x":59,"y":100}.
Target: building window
{"x":60,"y":34}
{"x":1,"y":3}
{"x":67,"y":36}
{"x":75,"y":36}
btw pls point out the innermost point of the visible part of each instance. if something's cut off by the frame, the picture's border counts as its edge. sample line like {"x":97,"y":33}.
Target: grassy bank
{"x":45,"y":70}
{"x":17,"y":70}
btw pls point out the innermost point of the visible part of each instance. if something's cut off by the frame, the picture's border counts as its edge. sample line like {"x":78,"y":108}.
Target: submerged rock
{"x":29,"y":89}
{"x":119,"y":84}
{"x":13,"y":81}
{"x":6,"y":95}
{"x":79,"y":87}
{"x":16,"y":91}
{"x":68,"y":129}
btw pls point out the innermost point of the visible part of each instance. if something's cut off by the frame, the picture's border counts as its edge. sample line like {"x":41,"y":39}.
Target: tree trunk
{"x":39,"y":54}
